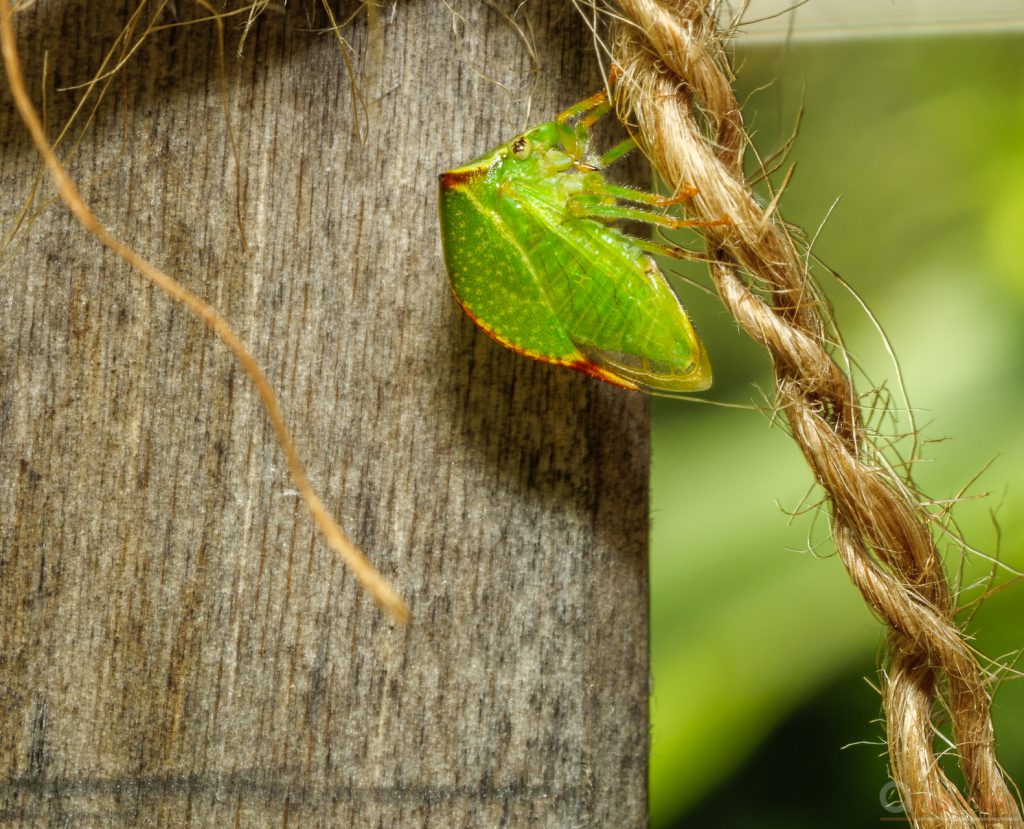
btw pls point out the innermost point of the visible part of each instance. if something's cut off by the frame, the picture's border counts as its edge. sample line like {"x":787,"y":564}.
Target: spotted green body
{"x":535,"y":261}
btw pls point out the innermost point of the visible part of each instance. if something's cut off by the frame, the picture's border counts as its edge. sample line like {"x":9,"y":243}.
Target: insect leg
{"x":617,"y":152}
{"x":575,"y":139}
{"x":599,"y":100}
{"x":641,"y":197}
{"x":584,"y":206}
{"x":597,"y":105}
{"x":673,"y":251}
{"x":596,"y":114}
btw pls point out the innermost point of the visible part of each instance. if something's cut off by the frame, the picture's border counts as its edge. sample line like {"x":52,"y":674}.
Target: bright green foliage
{"x":762,"y":715}
{"x":534,"y":259}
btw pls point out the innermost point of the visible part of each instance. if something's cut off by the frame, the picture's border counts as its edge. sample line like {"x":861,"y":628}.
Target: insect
{"x":535,"y":260}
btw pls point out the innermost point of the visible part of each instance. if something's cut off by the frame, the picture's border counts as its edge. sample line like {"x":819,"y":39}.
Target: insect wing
{"x":612,"y":301}
{"x":495,"y":280}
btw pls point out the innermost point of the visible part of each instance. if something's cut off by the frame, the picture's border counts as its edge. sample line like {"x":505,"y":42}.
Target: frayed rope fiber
{"x":676,"y":91}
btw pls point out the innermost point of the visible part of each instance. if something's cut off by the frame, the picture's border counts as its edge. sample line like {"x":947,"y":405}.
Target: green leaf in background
{"x":753,"y":637}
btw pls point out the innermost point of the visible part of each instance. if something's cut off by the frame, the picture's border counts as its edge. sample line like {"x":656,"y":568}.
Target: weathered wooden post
{"x":177,"y":645}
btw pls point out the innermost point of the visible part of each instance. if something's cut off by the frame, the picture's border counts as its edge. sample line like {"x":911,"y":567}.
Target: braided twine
{"x":676,"y":90}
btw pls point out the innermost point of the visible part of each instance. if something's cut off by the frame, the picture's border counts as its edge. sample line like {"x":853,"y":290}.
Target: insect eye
{"x":521,"y":147}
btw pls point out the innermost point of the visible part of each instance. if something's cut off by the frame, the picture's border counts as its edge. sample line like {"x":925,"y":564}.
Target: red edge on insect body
{"x":456,"y":178}
{"x":594,"y":370}
{"x":579,"y":364}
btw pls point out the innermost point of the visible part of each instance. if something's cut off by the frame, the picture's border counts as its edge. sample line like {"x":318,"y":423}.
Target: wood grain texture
{"x":178,"y":647}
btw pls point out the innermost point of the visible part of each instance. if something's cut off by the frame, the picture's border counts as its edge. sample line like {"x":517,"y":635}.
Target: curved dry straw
{"x":354,"y":558}
{"x":676,"y":90}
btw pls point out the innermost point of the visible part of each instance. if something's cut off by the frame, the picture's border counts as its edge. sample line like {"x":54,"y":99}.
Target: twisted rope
{"x":676,"y":89}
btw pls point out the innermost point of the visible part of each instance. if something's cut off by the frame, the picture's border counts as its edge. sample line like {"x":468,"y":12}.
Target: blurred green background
{"x":762,"y":652}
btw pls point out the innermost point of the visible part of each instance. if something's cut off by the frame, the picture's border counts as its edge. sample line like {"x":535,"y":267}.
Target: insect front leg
{"x":595,"y":107}
{"x":597,"y":101}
